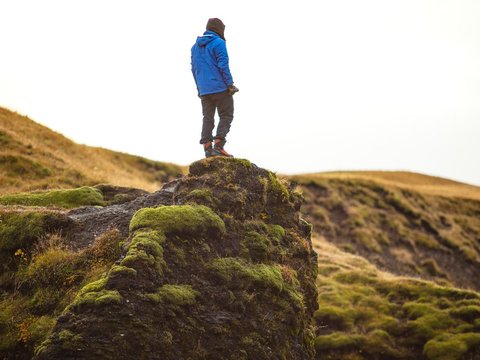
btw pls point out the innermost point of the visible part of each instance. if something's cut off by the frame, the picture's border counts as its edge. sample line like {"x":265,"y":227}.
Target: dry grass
{"x":35,"y":157}
{"x":407,"y":180}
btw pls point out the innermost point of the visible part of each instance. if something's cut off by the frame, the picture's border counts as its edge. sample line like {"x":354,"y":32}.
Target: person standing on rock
{"x":214,"y":85}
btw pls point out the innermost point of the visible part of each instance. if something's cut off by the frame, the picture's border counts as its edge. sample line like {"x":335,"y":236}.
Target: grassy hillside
{"x":400,"y":230}
{"x":364,"y":313}
{"x":425,"y":184}
{"x":34,"y":157}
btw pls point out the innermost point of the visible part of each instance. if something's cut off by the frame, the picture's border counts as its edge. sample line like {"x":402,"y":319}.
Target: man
{"x":215,"y":86}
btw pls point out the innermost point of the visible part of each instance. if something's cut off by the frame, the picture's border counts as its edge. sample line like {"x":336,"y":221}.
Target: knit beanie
{"x":216,"y":25}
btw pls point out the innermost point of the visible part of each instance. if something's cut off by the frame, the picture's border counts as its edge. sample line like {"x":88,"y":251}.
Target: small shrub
{"x":51,"y":268}
{"x":105,"y":248}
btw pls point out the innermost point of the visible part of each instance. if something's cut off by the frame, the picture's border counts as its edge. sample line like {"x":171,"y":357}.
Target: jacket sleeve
{"x":193,"y":71}
{"x":221,"y":56}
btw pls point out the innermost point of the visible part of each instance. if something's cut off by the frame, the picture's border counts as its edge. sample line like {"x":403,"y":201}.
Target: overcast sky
{"x":324,"y":85}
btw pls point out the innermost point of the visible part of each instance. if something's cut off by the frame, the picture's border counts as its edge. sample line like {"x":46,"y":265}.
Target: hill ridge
{"x":34,"y":157}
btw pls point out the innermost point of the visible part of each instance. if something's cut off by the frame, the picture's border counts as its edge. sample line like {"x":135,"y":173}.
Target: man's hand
{"x":232,"y":89}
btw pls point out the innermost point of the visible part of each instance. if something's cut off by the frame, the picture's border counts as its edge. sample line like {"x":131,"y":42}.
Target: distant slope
{"x":398,"y":229}
{"x":35,"y":157}
{"x":408,"y":180}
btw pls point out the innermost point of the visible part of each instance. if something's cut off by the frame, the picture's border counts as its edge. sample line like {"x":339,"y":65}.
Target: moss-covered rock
{"x":231,"y":280}
{"x":178,"y":220}
{"x":69,"y":198}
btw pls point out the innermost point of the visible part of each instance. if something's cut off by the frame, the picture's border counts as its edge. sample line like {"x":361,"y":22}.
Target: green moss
{"x":152,"y":226}
{"x":467,"y":313}
{"x":379,"y":343}
{"x":395,"y":315}
{"x":243,"y":162}
{"x":354,"y":276}
{"x":451,"y":347}
{"x":40,"y":327}
{"x":200,"y":196}
{"x":94,"y":286}
{"x":96,"y":298}
{"x":278,"y":189}
{"x":334,"y":317}
{"x":428,"y":326}
{"x":239,"y":273}
{"x":467,"y":302}
{"x":232,"y":270}
{"x":337,"y":341}
{"x":108,"y":297}
{"x":20,"y":230}
{"x":415,"y":310}
{"x":65,"y":335}
{"x":122,"y":270}
{"x":178,"y":295}
{"x":258,"y":247}
{"x":69,"y":340}
{"x":146,"y":248}
{"x":276,"y":232}
{"x":176,"y":220}
{"x":69,"y":198}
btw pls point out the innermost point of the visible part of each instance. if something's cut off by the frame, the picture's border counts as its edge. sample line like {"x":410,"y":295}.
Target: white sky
{"x":324,"y":85}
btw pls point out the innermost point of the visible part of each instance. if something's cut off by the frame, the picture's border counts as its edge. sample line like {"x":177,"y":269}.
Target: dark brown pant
{"x":223,"y":102}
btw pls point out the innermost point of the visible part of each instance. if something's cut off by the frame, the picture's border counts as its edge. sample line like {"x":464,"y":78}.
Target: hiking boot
{"x":208,"y":149}
{"x":218,"y":150}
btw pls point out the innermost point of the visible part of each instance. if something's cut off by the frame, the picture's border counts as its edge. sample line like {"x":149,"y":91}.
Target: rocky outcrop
{"x":226,"y":271}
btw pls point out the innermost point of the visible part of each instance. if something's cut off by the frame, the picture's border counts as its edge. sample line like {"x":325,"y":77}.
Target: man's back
{"x":210,"y":64}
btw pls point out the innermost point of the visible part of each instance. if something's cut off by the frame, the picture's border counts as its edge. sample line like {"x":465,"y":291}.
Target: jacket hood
{"x":207,"y":37}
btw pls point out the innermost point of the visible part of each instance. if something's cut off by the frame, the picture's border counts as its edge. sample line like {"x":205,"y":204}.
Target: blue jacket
{"x":210,"y":64}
